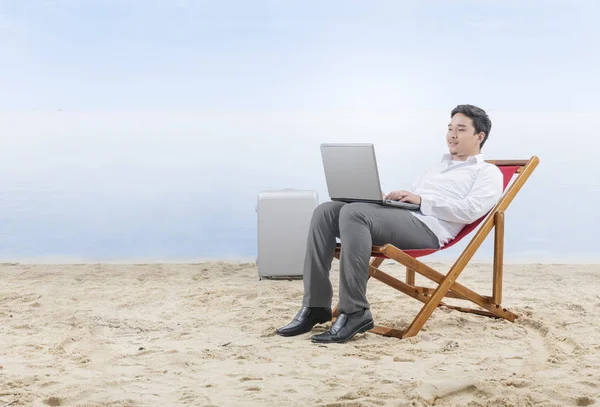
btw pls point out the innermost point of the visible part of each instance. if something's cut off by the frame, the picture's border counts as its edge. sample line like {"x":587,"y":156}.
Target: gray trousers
{"x":359,"y":226}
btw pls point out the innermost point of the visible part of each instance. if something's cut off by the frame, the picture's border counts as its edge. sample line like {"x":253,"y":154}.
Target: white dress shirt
{"x":456,"y":193}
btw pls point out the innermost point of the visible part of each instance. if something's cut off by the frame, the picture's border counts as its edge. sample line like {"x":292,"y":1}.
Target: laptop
{"x":352,"y":176}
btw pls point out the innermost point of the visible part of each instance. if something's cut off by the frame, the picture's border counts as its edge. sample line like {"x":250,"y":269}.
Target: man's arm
{"x":406,"y":195}
{"x":484,"y":194}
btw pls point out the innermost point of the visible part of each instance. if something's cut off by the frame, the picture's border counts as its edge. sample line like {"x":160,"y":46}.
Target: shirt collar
{"x":478,"y":158}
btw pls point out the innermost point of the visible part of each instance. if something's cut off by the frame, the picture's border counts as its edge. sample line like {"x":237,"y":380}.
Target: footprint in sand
{"x":246,"y":379}
{"x":53,"y":401}
{"x":403,"y":359}
{"x":590,"y":384}
{"x":450,"y":346}
{"x":269,"y":332}
{"x":518,"y":383}
{"x":48,"y":384}
{"x":80,"y":359}
{"x":585,"y":401}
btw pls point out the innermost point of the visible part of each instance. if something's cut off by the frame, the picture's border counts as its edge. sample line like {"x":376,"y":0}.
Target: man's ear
{"x":480,"y":136}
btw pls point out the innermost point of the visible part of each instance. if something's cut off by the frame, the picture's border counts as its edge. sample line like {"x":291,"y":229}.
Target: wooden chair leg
{"x":445,"y":283}
{"x":498,"y":257}
{"x":376,"y":261}
{"x":410,"y":276}
{"x":433,"y":302}
{"x":433,"y":275}
{"x":419,"y":293}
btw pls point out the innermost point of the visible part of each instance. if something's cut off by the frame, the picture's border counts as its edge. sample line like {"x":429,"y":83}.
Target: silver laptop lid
{"x":351,"y":171}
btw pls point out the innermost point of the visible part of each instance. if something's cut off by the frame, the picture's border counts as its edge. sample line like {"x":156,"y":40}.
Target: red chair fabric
{"x":507,"y":172}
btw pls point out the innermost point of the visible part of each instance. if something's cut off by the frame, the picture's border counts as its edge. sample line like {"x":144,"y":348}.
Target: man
{"x":461,"y":189}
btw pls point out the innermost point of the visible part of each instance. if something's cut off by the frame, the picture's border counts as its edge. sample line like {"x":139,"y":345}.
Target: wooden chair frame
{"x":447,"y":285}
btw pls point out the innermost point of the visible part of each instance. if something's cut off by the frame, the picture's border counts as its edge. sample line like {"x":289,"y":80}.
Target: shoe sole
{"x":369,"y":325}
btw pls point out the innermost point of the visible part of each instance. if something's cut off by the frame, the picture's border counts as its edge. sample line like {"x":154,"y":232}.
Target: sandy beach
{"x":204,"y":335}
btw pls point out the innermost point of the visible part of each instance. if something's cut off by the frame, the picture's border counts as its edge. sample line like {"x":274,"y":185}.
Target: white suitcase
{"x":283,"y":221}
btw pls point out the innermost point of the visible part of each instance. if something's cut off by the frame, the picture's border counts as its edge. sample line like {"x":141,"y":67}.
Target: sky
{"x":146,"y":129}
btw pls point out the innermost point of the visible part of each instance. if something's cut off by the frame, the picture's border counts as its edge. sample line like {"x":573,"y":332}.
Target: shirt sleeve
{"x":483,"y":196}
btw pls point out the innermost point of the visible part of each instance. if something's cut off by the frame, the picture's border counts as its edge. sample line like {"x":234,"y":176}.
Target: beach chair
{"x":447,"y":286}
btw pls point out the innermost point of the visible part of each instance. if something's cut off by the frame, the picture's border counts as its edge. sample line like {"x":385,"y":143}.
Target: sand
{"x":203,"y":335}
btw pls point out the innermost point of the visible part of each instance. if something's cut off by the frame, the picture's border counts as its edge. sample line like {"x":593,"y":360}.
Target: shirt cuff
{"x":426,"y":206}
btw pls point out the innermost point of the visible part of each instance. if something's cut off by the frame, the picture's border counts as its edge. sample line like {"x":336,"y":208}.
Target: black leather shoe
{"x":346,"y":326}
{"x":304,"y":321}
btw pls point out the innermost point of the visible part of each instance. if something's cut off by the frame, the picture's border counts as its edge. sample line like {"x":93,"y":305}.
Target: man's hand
{"x":404,"y":196}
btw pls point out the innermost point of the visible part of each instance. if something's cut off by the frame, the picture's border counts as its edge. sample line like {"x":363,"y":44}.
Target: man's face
{"x":461,"y":137}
